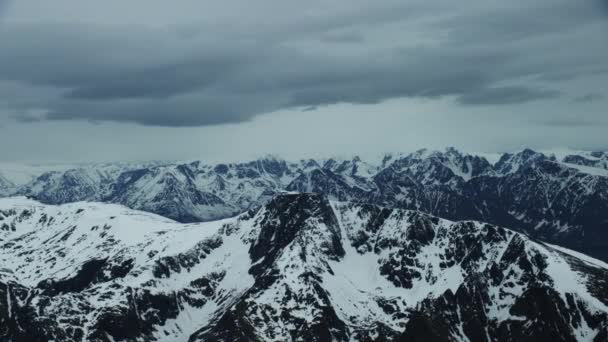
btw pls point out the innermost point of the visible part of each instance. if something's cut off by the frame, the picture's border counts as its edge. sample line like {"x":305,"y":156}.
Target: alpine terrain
{"x":559,"y":197}
{"x":300,"y":267}
{"x":256,"y":171}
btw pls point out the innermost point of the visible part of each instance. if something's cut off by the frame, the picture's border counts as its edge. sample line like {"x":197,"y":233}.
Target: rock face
{"x":560,"y":199}
{"x":552,"y":202}
{"x":299,"y":268}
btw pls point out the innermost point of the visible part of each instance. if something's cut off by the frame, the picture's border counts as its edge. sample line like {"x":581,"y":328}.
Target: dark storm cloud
{"x":194,"y":109}
{"x":155,"y":82}
{"x":170,"y":78}
{"x":94,"y":63}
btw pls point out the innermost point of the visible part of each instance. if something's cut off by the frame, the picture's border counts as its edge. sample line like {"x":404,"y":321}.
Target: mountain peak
{"x":447,"y":183}
{"x":510,"y":163}
{"x":300,"y":267}
{"x":288,"y":218}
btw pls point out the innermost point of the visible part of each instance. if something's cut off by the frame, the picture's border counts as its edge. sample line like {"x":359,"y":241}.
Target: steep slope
{"x":244,"y":185}
{"x":433,"y":182}
{"x":596,"y":159}
{"x":88,"y":182}
{"x":512,"y":162}
{"x":449,"y":168}
{"x":20,"y":174}
{"x":185,"y":192}
{"x":325,"y":181}
{"x":553,"y":202}
{"x":99,"y":272}
{"x":169,"y":191}
{"x":542,"y":195}
{"x":299,"y":268}
{"x":69,"y":186}
{"x":355,"y":172}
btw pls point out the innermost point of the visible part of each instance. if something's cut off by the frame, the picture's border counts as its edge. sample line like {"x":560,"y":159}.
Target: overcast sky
{"x":84,"y":80}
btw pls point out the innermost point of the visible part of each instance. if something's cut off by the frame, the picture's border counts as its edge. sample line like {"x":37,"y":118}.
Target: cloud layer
{"x":204,"y":72}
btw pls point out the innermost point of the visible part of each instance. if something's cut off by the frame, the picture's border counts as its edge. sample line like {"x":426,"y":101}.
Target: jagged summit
{"x":557,"y":197}
{"x":301,"y":267}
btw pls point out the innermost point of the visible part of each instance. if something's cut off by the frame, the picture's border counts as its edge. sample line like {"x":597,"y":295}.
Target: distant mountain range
{"x":298,"y":268}
{"x":559,"y":198}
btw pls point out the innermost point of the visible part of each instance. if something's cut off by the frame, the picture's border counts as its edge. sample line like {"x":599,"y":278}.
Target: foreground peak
{"x":300,"y":267}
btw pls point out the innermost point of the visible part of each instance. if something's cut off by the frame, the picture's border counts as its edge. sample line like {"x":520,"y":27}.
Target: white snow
{"x":84,"y":231}
{"x":567,"y":280}
{"x":594,"y":171}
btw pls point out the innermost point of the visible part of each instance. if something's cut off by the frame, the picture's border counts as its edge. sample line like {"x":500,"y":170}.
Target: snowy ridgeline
{"x":301,"y":267}
{"x":559,"y":196}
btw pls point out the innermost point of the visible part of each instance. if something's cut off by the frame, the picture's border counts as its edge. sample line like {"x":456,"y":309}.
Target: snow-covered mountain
{"x":591,"y":160}
{"x":187,"y":192}
{"x":555,"y":201}
{"x":299,"y":268}
{"x":19,"y":174}
{"x":558,"y":197}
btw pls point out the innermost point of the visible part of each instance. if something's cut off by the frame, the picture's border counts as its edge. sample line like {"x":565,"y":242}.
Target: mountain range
{"x":300,"y":267}
{"x":560,"y":198}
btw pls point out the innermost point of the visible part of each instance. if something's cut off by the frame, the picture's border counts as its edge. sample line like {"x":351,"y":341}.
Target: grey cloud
{"x":571,"y":122}
{"x":156,"y":82}
{"x":3,"y":6}
{"x":343,"y":37}
{"x":506,"y":95}
{"x":97,"y":63}
{"x":194,"y":109}
{"x":591,"y":97}
{"x":522,"y":21}
{"x":169,"y":78}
